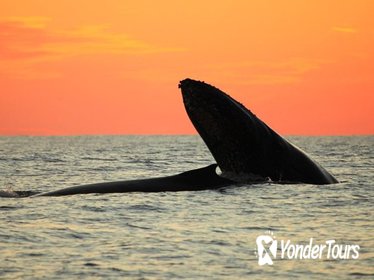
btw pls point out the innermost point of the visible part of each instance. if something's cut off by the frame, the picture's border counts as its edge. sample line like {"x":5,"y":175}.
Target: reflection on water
{"x":206,"y":234}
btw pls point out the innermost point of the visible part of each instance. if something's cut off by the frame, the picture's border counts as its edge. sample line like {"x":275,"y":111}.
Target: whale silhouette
{"x":245,"y":148}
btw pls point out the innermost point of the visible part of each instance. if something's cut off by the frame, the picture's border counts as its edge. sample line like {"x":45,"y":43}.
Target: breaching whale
{"x":245,"y":149}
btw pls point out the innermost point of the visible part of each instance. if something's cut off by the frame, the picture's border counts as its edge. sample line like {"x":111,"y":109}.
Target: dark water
{"x":185,"y":235}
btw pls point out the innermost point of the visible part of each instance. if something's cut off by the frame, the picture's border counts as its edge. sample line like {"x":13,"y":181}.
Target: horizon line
{"x":172,"y":134}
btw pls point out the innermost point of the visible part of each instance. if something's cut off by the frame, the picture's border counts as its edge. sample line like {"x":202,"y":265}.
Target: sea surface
{"x":185,"y":235}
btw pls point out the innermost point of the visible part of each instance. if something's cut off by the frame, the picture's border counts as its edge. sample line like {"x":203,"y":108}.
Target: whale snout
{"x":198,"y":94}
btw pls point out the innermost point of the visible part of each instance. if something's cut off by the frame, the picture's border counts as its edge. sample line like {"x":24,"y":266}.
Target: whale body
{"x":245,"y":148}
{"x":193,"y":180}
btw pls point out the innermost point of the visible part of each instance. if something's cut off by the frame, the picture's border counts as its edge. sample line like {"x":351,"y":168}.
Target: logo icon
{"x":266,"y":249}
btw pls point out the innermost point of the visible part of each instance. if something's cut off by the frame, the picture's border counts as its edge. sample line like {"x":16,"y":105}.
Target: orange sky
{"x":112,"y":67}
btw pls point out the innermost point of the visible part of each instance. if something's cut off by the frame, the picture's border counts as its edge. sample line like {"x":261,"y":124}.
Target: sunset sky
{"x":72,"y":67}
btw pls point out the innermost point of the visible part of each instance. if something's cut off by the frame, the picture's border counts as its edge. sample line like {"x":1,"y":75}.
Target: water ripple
{"x":186,"y":235}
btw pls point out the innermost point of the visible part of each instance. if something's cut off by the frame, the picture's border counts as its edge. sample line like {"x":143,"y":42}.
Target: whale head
{"x":241,"y":143}
{"x":226,"y":126}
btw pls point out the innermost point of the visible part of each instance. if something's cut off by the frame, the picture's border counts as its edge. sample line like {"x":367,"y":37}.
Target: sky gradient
{"x":113,"y":67}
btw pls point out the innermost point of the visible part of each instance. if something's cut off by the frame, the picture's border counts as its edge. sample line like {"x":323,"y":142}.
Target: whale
{"x":246,"y":151}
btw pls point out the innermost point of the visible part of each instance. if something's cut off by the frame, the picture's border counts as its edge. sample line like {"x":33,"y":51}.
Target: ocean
{"x":208,"y":234}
